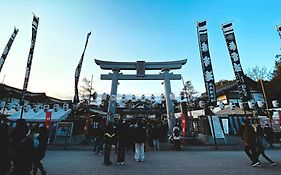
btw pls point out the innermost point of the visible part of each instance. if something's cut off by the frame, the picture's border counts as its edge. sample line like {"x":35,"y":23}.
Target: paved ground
{"x":192,"y":160}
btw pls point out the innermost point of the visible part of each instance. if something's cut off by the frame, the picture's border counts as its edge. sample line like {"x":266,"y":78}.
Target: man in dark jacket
{"x":23,"y":155}
{"x":140,"y":139}
{"x":123,"y":137}
{"x":249,"y":140}
{"x":109,"y":139}
{"x":4,"y":159}
{"x":40,"y":150}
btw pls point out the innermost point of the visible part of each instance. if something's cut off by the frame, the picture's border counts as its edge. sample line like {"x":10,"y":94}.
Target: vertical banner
{"x":206,"y":63}
{"x":77,"y":72}
{"x":279,"y":30}
{"x":35,"y":23}
{"x":8,"y":47}
{"x":235,"y":59}
{"x":48,"y":119}
{"x":183,"y":124}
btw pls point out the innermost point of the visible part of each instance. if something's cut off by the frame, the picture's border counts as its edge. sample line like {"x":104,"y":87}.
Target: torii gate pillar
{"x":169,"y":104}
{"x":113,"y":96}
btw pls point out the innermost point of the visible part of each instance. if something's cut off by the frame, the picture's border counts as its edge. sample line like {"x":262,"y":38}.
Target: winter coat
{"x":140,"y":134}
{"x":248,"y":135}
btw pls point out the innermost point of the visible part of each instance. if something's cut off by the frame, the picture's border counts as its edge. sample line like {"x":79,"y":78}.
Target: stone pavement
{"x":192,"y":160}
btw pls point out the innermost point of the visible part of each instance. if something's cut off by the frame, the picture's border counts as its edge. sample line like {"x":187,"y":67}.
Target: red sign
{"x":48,"y":119}
{"x":183,"y":124}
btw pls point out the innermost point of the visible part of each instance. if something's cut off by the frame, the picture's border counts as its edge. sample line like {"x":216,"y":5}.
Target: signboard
{"x":217,"y":127}
{"x":225,"y":125}
{"x":64,"y":129}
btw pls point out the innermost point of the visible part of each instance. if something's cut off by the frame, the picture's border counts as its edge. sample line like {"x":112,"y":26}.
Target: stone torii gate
{"x":141,"y":67}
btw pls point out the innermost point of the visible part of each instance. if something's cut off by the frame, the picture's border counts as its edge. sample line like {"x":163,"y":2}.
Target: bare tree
{"x":256,"y":73}
{"x":189,"y":91}
{"x":87,"y":92}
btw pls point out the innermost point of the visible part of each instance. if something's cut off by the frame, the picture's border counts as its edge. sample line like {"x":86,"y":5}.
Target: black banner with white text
{"x":77,"y":72}
{"x":279,"y":30}
{"x":235,"y":59}
{"x":206,"y":63}
{"x":8,"y":47}
{"x":35,"y":23}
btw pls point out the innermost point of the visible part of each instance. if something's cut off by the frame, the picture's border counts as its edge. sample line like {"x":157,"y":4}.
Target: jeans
{"x":139,"y":151}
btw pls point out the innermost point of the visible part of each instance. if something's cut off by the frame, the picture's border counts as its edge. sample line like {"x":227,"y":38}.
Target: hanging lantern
{"x":56,"y":107}
{"x":201,"y":104}
{"x":275,"y":103}
{"x":133,"y":98}
{"x":123,"y":98}
{"x":46,"y":108}
{"x":251,"y":104}
{"x":152,"y":98}
{"x":142,"y":98}
{"x":17,"y":107}
{"x":260,"y":104}
{"x":65,"y":106}
{"x":103,"y":96}
{"x":162,"y":97}
{"x":241,"y":106}
{"x":221,"y":104}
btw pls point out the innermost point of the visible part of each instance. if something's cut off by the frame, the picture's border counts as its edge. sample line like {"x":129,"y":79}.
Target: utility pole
{"x":265,"y":99}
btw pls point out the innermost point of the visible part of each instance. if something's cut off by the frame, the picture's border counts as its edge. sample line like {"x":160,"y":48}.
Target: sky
{"x":130,"y":31}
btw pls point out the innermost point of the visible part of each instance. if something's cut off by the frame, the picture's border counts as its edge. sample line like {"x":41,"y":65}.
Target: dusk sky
{"x":132,"y":30}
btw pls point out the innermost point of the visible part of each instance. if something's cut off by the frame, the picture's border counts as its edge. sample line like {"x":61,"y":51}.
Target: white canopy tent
{"x":40,"y":115}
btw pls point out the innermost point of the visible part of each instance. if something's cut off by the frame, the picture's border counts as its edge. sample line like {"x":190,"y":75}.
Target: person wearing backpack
{"x":176,"y":138}
{"x":109,"y":139}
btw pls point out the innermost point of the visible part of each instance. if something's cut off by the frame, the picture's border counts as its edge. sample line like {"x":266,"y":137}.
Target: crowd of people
{"x":126,"y":135}
{"x":22,"y":149}
{"x":255,"y":140}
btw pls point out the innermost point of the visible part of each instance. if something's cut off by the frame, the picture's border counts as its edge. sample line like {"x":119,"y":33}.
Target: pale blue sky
{"x":132,"y":30}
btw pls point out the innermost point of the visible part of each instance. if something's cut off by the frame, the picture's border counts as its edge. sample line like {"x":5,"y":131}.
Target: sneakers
{"x":120,"y":163}
{"x":256,"y":164}
{"x":272,"y":164}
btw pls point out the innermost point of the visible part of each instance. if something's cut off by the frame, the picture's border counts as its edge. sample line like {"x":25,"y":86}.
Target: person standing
{"x":99,"y":138}
{"x":23,"y":155}
{"x":4,"y":158}
{"x":156,"y":132}
{"x":261,"y":145}
{"x":268,"y":131}
{"x":40,"y":149}
{"x":109,"y":139}
{"x":140,"y":139}
{"x":123,"y":137}
{"x":249,"y":140}
{"x":176,"y":137}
